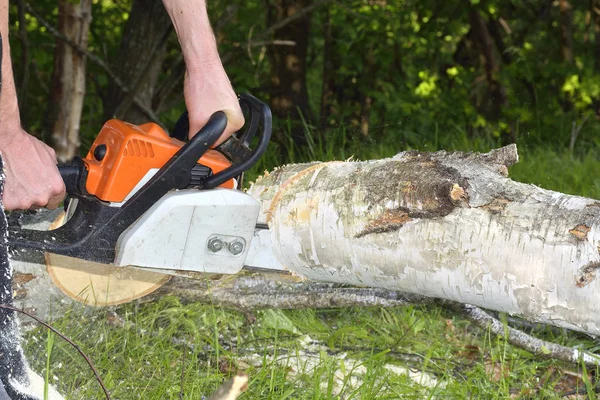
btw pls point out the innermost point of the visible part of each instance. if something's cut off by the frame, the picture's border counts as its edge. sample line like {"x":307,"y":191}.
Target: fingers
{"x":208,"y":93}
{"x":235,"y":122}
{"x":32,"y":179}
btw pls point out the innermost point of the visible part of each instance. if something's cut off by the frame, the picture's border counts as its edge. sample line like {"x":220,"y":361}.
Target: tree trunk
{"x":139,"y":62}
{"x":566,"y":31}
{"x":329,"y":68}
{"x":288,"y":65}
{"x":65,"y":104}
{"x":441,"y":225}
{"x":495,"y":99}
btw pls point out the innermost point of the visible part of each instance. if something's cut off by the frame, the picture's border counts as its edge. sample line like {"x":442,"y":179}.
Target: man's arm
{"x":207,"y":88}
{"x":31,"y":176}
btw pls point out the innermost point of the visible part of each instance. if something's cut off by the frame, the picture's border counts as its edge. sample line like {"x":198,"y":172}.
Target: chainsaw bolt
{"x":215,"y":245}
{"x":236,"y":247}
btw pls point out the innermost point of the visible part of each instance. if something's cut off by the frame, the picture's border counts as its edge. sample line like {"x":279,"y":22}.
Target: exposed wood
{"x":98,"y":284}
{"x":63,"y":115}
{"x":231,"y":389}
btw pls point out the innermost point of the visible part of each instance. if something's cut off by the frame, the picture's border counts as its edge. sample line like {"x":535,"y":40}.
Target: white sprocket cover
{"x":192,"y":230}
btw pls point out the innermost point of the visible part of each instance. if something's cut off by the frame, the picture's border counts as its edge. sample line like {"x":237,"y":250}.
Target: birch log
{"x":442,"y":225}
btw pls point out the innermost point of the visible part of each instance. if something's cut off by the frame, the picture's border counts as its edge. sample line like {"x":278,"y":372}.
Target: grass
{"x":169,"y":350}
{"x":302,"y":354}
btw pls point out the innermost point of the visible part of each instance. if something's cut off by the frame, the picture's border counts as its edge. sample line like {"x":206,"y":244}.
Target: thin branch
{"x":515,"y":337}
{"x":182,"y":381}
{"x":123,"y":107}
{"x":168,"y":85}
{"x":263,"y":36}
{"x":96,"y":60}
{"x":24,"y":62}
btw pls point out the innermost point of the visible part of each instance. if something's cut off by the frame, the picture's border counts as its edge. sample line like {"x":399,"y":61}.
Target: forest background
{"x":344,"y":78}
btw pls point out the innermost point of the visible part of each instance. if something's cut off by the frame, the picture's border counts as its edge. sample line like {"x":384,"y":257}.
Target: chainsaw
{"x":147,"y":200}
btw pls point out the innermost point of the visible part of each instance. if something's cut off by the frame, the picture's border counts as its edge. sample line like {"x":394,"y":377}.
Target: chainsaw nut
{"x":215,"y":245}
{"x":236,"y":247}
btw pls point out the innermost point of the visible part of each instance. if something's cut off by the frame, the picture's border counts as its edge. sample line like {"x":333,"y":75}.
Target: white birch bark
{"x":445,"y":225}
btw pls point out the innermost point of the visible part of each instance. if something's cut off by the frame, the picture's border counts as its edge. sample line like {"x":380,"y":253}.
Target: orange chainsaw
{"x":146,"y":199}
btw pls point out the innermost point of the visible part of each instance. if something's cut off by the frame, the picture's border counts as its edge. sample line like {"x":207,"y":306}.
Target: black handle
{"x":74,"y":175}
{"x":237,"y":147}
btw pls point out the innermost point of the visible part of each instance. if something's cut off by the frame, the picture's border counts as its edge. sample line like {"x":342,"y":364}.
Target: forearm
{"x":195,"y":34}
{"x":9,"y":107}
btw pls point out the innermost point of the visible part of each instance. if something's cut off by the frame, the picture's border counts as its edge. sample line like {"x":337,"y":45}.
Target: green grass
{"x":303,"y":354}
{"x":168,"y":350}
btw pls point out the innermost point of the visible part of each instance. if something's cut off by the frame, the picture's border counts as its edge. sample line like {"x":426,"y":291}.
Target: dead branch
{"x":517,"y":338}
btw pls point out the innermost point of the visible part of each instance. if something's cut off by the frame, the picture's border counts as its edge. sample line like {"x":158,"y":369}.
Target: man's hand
{"x":32,"y":178}
{"x":208,"y":92}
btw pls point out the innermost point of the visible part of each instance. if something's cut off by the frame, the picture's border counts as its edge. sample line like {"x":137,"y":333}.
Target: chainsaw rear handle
{"x":237,"y":147}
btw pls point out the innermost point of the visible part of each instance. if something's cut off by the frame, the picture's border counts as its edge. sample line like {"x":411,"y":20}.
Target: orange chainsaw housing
{"x":132,"y":151}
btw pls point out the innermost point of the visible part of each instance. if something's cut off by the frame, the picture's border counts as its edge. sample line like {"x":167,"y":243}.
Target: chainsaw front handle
{"x":237,"y":148}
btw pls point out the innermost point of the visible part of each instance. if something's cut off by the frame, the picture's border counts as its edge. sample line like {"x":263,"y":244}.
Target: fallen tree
{"x":440,"y":225}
